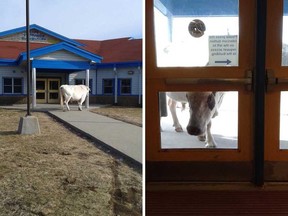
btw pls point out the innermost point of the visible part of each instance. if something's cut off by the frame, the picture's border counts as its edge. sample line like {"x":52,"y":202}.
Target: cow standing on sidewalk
{"x":73,"y":93}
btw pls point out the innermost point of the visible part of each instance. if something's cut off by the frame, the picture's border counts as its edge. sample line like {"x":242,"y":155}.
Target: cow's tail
{"x":61,"y":96}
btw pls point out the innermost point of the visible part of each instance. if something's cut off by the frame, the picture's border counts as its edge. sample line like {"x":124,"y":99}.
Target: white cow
{"x":203,"y":107}
{"x":73,"y":93}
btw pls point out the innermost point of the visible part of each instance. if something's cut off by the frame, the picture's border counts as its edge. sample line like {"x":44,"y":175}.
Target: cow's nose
{"x":193,"y":130}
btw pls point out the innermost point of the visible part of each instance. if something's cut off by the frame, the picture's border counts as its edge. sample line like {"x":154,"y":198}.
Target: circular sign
{"x":196,"y":28}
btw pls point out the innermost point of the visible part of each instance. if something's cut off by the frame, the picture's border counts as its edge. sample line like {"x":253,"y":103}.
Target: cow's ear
{"x":211,"y":101}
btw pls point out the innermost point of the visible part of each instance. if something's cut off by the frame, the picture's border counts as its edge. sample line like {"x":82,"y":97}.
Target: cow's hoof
{"x":202,"y":138}
{"x":210,"y":145}
{"x":179,"y":129}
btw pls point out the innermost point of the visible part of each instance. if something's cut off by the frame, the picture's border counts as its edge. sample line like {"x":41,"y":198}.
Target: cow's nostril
{"x":193,"y":130}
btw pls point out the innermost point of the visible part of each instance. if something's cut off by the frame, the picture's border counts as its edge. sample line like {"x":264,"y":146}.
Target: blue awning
{"x":285,"y":7}
{"x":198,"y":7}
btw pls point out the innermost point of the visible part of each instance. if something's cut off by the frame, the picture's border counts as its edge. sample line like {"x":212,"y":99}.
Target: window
{"x":125,"y":86}
{"x":108,"y":86}
{"x":178,"y":115}
{"x":83,"y":82}
{"x":285,"y":35}
{"x":196,"y":33}
{"x":12,"y":85}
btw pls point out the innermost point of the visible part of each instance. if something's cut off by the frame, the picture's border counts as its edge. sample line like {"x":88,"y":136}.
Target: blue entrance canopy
{"x":198,"y":7}
{"x":285,"y":7}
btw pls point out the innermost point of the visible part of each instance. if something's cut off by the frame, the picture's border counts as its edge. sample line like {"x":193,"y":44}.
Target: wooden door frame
{"x":273,"y":62}
{"x":161,"y":165}
{"x":275,"y":159}
{"x":259,"y":93}
{"x":53,"y":91}
{"x":42,"y":91}
{"x":47,"y":90}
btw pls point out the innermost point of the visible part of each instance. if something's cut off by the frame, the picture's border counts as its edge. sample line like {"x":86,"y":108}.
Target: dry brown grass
{"x":130,"y":115}
{"x":60,"y":173}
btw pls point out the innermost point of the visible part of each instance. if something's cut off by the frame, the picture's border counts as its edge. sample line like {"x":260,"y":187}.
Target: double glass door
{"x":47,"y":90}
{"x":204,"y":75}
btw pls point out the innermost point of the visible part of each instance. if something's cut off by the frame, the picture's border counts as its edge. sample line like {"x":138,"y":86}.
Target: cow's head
{"x":202,"y":109}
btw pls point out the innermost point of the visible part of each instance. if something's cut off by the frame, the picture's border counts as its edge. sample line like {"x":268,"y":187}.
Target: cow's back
{"x":76,"y":92}
{"x":79,"y":91}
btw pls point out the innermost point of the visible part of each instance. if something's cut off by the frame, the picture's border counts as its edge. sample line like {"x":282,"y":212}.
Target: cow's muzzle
{"x":195,"y":131}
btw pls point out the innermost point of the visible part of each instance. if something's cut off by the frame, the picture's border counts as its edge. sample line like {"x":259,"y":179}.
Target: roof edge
{"x":42,"y":29}
{"x":60,"y":46}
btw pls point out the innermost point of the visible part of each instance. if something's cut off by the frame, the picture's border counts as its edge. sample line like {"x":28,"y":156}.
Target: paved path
{"x":123,"y":137}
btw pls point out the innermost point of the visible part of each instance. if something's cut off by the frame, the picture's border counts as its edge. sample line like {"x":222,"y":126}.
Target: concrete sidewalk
{"x":120,"y":136}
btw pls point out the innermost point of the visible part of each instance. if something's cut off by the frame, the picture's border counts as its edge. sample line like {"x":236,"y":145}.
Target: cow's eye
{"x":211,"y":101}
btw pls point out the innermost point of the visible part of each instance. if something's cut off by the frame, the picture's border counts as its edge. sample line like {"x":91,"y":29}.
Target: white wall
{"x":13,"y":72}
{"x":61,"y":55}
{"x":122,"y":73}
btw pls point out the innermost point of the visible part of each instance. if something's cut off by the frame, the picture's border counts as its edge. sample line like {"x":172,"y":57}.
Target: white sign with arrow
{"x":223,"y":50}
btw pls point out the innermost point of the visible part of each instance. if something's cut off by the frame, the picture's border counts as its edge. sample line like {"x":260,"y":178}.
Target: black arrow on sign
{"x":226,"y":61}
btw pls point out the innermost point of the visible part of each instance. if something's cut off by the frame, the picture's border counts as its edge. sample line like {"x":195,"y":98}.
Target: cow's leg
{"x":210,"y":140}
{"x":67,"y":101}
{"x":80,"y":103}
{"x":172,"y":107}
{"x":80,"y":106}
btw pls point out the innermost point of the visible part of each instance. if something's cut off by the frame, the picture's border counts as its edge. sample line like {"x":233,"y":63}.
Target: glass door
{"x":41,"y":88}
{"x":47,"y":90}
{"x":53,"y":90}
{"x":276,"y":124}
{"x":199,"y":100}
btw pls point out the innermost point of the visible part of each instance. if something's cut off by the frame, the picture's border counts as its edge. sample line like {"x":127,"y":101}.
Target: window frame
{"x":13,"y":85}
{"x":121,"y":86}
{"x":112,"y":86}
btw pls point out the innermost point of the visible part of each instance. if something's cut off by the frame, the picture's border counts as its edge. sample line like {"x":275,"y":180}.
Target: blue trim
{"x":61,"y":46}
{"x":96,"y":81}
{"x":198,"y":8}
{"x":118,"y":64}
{"x":41,"y":29}
{"x":8,"y":62}
{"x":13,"y":95}
{"x":53,"y":48}
{"x":131,"y":95}
{"x":70,"y":65}
{"x":285,"y":5}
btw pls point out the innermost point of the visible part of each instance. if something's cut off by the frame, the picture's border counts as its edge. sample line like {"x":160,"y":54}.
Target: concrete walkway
{"x":120,"y":136}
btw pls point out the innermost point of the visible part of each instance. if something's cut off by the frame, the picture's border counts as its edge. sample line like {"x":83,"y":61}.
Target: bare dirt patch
{"x":130,"y":115}
{"x":60,"y":173}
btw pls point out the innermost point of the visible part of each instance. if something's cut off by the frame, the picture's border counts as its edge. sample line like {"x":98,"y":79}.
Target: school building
{"x":111,"y":68}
